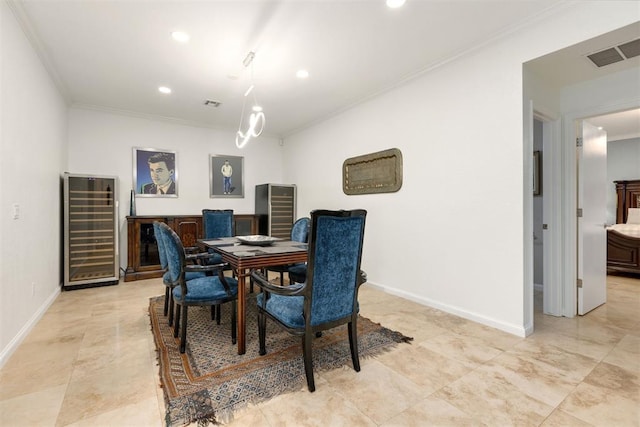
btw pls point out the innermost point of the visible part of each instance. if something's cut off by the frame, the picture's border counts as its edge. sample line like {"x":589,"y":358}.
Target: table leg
{"x":241,"y":311}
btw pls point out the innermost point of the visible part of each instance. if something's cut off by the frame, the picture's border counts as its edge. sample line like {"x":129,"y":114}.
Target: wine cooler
{"x":276,"y":209}
{"x":90,"y":231}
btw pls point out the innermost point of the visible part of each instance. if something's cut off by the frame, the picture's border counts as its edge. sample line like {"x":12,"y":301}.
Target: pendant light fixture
{"x":256,"y":119}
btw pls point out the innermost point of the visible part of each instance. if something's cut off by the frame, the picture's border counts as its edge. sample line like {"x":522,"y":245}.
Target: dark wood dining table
{"x":244,"y":257}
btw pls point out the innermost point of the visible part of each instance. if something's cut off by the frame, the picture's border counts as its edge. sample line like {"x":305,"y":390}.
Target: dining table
{"x":245,"y":253}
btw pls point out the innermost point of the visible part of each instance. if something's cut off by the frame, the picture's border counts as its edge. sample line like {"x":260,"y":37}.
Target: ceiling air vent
{"x":630,"y":49}
{"x":211,"y":103}
{"x":616,"y":54}
{"x":605,"y":57}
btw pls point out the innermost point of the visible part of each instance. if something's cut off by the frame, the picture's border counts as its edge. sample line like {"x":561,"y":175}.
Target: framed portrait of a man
{"x":155,"y":172}
{"x":226,"y":176}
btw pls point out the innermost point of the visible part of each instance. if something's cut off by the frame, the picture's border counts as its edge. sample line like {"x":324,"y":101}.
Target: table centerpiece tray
{"x":257,"y":240}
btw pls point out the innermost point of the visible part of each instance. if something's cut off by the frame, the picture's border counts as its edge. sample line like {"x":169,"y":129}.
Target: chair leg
{"x":183,"y":333}
{"x":176,"y":326}
{"x":308,"y":360}
{"x":166,"y":299}
{"x":216,"y":310}
{"x":353,"y":344}
{"x":281,"y":278}
{"x":233,"y":322}
{"x":171,"y":307}
{"x":262,"y":331}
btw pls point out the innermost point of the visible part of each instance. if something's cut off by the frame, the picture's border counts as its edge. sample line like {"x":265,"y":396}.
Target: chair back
{"x":175,"y":254}
{"x":335,"y":253}
{"x":300,"y":230}
{"x":217,"y":223}
{"x":157,"y":232}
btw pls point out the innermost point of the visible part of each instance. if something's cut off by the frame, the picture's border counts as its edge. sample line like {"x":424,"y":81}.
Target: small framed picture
{"x":226,"y":176}
{"x":537,"y":173}
{"x":155,"y":173}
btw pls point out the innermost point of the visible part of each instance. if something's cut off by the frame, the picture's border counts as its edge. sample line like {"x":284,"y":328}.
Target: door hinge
{"x":579,"y":212}
{"x":578,"y":142}
{"x":579,"y":283}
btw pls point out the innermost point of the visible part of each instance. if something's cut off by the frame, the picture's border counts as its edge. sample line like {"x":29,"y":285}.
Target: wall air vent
{"x":616,"y":53}
{"x":211,"y":103}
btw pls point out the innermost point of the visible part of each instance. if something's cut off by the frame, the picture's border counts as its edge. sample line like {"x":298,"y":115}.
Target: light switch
{"x":16,"y":211}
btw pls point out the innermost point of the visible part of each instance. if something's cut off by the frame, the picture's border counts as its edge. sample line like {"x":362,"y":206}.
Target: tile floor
{"x":91,"y":361}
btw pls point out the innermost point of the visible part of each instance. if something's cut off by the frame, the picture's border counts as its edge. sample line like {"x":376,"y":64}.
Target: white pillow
{"x":633,"y":216}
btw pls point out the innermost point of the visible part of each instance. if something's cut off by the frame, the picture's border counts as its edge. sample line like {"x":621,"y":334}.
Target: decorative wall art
{"x":155,"y":173}
{"x":379,"y":172}
{"x":226,"y":176}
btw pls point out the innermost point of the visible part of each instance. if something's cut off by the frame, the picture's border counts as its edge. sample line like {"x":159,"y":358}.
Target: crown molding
{"x":30,"y":32}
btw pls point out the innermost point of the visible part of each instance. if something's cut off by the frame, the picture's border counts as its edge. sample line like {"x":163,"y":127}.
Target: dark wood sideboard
{"x":143,"y":261}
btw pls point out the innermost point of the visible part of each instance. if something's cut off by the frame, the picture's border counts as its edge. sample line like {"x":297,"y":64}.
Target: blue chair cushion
{"x":205,"y":289}
{"x":287,"y":309}
{"x":215,"y":258}
{"x":189,"y":275}
{"x":298,"y":272}
{"x":300,"y":230}
{"x":217,"y":223}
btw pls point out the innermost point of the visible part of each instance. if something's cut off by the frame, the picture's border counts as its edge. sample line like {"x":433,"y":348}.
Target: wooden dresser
{"x":143,"y":261}
{"x":628,"y":196}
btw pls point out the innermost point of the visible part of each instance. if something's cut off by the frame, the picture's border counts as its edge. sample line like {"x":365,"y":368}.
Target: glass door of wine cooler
{"x":90,"y":231}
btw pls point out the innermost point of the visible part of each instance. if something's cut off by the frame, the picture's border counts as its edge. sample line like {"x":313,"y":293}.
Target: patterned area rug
{"x":210,"y":380}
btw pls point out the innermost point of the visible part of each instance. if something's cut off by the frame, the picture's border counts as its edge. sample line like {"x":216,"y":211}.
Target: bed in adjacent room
{"x":623,"y":238}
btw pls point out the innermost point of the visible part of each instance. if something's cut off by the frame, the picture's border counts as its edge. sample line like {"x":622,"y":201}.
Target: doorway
{"x":538,"y":221}
{"x":547,"y":223}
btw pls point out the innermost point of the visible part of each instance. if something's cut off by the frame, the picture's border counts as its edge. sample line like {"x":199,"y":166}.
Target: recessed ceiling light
{"x":180,"y":36}
{"x":164,"y":89}
{"x":394,"y":4}
{"x":302,"y":74}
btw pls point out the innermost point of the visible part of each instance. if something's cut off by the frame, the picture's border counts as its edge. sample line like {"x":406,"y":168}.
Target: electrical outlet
{"x":16,"y":211}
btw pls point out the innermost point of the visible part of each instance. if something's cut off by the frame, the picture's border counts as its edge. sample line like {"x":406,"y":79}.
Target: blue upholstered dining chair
{"x":159,"y":229}
{"x":202,"y":291}
{"x":216,"y":223}
{"x":299,"y":233}
{"x":329,"y":296}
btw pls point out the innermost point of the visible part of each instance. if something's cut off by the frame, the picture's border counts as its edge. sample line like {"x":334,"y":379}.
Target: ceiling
{"x":619,"y":126}
{"x":114,"y":55}
{"x":571,"y":65}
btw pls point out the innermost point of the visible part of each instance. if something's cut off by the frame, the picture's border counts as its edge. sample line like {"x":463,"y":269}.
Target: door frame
{"x":551,"y":196}
{"x":551,"y":199}
{"x":569,"y":191}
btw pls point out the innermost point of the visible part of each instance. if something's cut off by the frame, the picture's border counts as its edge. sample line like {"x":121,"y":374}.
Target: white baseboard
{"x":518,"y":330}
{"x":20,"y":336}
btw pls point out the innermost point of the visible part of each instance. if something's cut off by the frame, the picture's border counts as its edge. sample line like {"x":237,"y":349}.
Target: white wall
{"x":452,"y":237}
{"x":623,"y":162}
{"x":101,"y":143}
{"x":33,"y":133}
